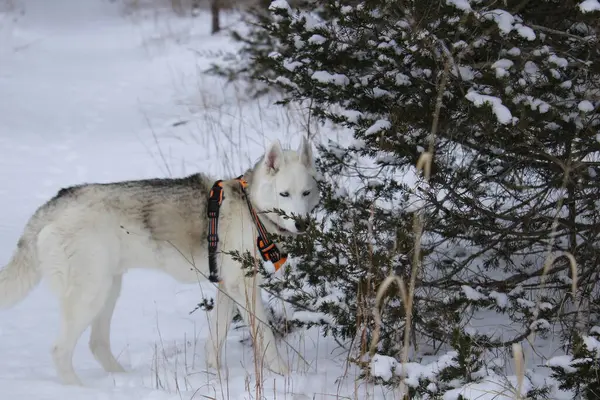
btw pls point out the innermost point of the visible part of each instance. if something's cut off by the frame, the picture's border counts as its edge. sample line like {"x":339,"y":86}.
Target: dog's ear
{"x":274,"y":157}
{"x":305,"y":152}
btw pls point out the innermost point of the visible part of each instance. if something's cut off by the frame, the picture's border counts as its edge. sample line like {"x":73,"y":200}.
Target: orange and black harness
{"x":268,"y":250}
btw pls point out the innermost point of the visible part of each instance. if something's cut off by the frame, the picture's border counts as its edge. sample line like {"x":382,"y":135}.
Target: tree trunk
{"x":214,"y":10}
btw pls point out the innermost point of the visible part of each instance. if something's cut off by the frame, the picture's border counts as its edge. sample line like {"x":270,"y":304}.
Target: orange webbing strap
{"x":268,"y":250}
{"x":214,"y":204}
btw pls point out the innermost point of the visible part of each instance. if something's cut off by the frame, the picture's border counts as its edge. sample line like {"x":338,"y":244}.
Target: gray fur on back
{"x":169,"y":210}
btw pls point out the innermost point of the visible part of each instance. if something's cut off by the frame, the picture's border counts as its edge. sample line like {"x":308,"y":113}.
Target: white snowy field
{"x":91,"y":92}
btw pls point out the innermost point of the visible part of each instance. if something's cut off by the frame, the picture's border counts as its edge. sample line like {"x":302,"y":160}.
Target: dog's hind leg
{"x":220,"y":321}
{"x":100,"y":335}
{"x":79,"y":306}
{"x":78,"y":271}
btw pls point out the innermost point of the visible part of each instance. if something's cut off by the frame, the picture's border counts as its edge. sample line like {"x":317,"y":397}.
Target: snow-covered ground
{"x":91,"y":92}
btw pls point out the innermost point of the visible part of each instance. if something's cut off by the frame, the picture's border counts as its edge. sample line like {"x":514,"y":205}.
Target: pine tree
{"x":580,"y":372}
{"x":507,"y":103}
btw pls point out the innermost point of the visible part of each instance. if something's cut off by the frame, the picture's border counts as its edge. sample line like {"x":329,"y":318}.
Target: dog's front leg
{"x":253,"y":312}
{"x":219,"y":323}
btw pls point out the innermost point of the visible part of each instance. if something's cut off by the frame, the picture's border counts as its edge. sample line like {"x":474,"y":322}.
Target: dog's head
{"x":285,"y":180}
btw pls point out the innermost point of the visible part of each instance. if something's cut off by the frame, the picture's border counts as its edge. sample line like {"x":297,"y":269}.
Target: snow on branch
{"x":501,"y":112}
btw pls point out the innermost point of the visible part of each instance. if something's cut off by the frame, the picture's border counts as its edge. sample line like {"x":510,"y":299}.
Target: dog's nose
{"x":301,"y":226}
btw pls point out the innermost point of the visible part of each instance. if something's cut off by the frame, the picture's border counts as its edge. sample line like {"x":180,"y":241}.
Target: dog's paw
{"x":71,"y":380}
{"x":212,"y":361}
{"x":115,"y":369}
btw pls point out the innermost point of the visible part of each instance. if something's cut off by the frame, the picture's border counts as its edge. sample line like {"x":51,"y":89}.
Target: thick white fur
{"x":83,"y":245}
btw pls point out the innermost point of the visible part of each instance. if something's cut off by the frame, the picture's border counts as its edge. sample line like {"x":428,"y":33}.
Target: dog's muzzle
{"x":301,"y":226}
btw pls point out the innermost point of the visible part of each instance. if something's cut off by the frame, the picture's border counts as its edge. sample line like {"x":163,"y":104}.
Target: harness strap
{"x":215,"y":199}
{"x":268,"y":250}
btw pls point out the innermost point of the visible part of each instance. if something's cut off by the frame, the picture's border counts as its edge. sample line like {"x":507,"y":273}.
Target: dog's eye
{"x":306,"y":193}
{"x":284,"y":194}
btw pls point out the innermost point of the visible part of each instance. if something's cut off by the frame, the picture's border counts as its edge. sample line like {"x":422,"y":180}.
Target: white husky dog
{"x":85,"y":238}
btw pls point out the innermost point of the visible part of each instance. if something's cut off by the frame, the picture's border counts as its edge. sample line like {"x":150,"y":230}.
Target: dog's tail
{"x":22,"y":273}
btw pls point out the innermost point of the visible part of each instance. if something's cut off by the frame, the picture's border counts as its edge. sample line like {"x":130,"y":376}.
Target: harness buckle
{"x":215,"y":199}
{"x":270,"y":252}
{"x":213,"y":209}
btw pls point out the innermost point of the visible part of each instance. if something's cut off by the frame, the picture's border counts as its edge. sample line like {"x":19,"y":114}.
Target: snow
{"x":500,"y":298}
{"x":585,"y":106}
{"x":526,"y":303}
{"x":467,"y":73}
{"x":503,"y":63}
{"x":566,"y":84}
{"x":501,"y":66}
{"x":379,"y":92}
{"x":280,"y":5}
{"x":540,"y":325}
{"x":490,"y":388}
{"x":402,"y":79}
{"x":298,"y":42}
{"x":269,"y":267}
{"x":346,"y":9}
{"x":460,"y":4}
{"x":314,"y":317}
{"x":501,"y":112}
{"x":286,"y":81}
{"x":531,"y":69}
{"x":563,"y":362}
{"x":378,"y":126}
{"x":291,"y":65}
{"x":326,"y":77}
{"x":414,"y":372}
{"x":535,"y":104}
{"x":472,"y":294}
{"x":316,"y":39}
{"x":592,"y":344}
{"x":525,"y":31}
{"x":589,"y":6}
{"x":558,"y":61}
{"x":503,"y":18}
{"x":352,"y":115}
{"x":461,"y":44}
{"x":507,"y":23}
{"x":383,"y":366}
